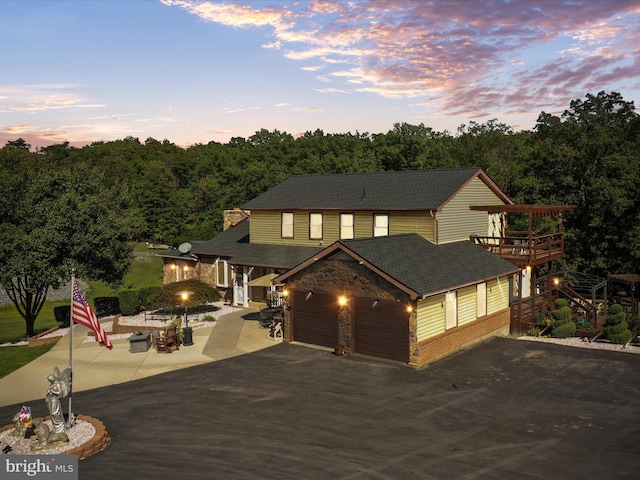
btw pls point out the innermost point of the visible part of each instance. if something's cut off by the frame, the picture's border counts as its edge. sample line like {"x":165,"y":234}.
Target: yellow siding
{"x":430,"y":317}
{"x":412,"y":222}
{"x":467,"y":305}
{"x":265,"y":226}
{"x":456,"y":222}
{"x":497,"y":295}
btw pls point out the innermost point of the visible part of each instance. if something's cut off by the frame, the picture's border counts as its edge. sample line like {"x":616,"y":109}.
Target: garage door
{"x":315,"y":318}
{"x":382,"y":329}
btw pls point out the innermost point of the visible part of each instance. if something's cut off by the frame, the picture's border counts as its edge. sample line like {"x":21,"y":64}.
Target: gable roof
{"x":416,"y":265}
{"x":405,"y":190}
{"x":234,"y":244}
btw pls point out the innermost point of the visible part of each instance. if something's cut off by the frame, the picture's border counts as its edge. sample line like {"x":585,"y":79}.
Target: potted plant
{"x":339,"y":350}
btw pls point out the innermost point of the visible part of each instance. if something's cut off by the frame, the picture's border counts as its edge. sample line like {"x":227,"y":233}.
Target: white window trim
{"x":451,"y":310}
{"x":218,"y":264}
{"x":481,"y":300}
{"x":317,"y":227}
{"x":377,"y":228}
{"x":289,"y":225}
{"x":351,"y":227}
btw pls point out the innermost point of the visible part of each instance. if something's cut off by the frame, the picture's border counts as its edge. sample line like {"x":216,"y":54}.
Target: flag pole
{"x":70,"y":420}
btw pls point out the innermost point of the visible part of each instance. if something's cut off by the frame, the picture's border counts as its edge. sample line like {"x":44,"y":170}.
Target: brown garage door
{"x":315,"y":318}
{"x":382,"y":330}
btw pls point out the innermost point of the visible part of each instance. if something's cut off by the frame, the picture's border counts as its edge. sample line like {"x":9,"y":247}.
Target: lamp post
{"x":188,"y":331}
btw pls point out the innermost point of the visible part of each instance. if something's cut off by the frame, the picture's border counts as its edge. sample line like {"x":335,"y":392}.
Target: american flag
{"x":83,"y":314}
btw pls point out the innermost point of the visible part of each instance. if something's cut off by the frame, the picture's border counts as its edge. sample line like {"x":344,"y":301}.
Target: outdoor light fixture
{"x":342,"y":300}
{"x":188,"y":331}
{"x":308,"y":296}
{"x":528,"y":268}
{"x":173,"y":266}
{"x":556,"y":281}
{"x":409,"y":309}
{"x":375,"y":302}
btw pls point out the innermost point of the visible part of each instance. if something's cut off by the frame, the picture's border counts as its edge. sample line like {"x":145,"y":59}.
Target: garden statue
{"x":59,"y":388}
{"x":45,"y":438}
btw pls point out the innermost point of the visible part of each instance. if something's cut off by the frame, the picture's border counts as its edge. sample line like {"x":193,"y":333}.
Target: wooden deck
{"x":522,"y":249}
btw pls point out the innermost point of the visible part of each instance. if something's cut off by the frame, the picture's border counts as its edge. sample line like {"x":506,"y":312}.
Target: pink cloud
{"x":481,"y":55}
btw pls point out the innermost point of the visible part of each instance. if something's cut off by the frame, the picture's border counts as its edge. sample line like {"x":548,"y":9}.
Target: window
{"x":481,"y":300}
{"x":287,"y":225}
{"x":346,"y":226}
{"x":222,"y":272}
{"x":451,"y":310}
{"x":380,"y":224}
{"x":315,"y":226}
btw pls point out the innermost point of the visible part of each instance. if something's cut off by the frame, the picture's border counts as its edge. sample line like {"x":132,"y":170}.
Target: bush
{"x":616,"y":329}
{"x":106,"y":306}
{"x":533,"y":332}
{"x":129,"y":302}
{"x":564,"y":330}
{"x":146,"y":294}
{"x":560,"y":303}
{"x":621,"y":338}
{"x":62,"y":314}
{"x":562,"y":314}
{"x":168,"y":295}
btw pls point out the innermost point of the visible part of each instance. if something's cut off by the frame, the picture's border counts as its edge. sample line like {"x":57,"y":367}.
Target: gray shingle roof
{"x":234,"y":243}
{"x":426,"y":268}
{"x":405,"y":190}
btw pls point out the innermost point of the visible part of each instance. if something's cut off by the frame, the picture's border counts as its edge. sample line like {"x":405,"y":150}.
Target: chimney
{"x":234,"y":217}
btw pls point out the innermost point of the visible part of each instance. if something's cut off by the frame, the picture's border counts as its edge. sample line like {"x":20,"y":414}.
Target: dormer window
{"x":315,"y":226}
{"x":287,"y":224}
{"x":380,"y":224}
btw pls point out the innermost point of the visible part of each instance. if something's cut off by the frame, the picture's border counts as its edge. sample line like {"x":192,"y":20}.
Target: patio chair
{"x":167,"y":341}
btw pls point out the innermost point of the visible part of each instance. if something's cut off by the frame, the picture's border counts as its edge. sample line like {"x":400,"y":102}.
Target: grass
{"x":12,"y":358}
{"x":144,"y":271}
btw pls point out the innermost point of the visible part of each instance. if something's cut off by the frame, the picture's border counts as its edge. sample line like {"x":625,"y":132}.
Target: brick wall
{"x":461,"y":337}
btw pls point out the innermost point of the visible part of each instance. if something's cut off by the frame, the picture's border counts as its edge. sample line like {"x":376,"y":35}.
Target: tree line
{"x":588,"y":156}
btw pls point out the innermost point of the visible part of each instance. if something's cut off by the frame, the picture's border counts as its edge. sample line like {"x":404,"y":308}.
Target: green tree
{"x":589,"y":157}
{"x":53,"y":221}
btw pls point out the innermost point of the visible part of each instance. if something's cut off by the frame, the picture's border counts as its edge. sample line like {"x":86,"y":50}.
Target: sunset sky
{"x":194,"y":71}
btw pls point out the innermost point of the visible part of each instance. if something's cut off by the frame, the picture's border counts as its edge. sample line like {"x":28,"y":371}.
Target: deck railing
{"x":523,"y":249}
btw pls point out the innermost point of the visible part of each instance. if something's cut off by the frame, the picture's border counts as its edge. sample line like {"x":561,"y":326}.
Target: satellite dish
{"x":184,"y":247}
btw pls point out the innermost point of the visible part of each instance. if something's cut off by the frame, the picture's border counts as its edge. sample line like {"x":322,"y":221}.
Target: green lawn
{"x":144,"y":271}
{"x":12,"y":358}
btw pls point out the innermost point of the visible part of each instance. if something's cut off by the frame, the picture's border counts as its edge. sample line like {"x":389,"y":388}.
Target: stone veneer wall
{"x":341,"y":277}
{"x":461,"y":337}
{"x":233,"y":217}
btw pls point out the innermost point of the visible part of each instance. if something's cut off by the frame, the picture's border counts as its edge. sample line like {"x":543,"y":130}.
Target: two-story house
{"x":381,"y":263}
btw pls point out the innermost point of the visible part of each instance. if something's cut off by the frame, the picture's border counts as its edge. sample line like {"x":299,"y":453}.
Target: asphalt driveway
{"x":505,"y":409}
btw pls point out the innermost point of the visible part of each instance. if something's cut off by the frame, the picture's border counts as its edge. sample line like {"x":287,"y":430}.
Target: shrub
{"x":62,"y":314}
{"x":106,"y":306}
{"x":616,"y":329}
{"x":621,"y":338}
{"x":560,"y":303}
{"x":129,"y":302}
{"x":209,"y":318}
{"x":167,"y":296}
{"x":616,"y":314}
{"x":146,"y":294}
{"x":562,"y":314}
{"x":533,"y":332}
{"x":564,"y":330}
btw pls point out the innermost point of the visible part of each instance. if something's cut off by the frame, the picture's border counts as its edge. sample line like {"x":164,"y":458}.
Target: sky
{"x":193,"y":71}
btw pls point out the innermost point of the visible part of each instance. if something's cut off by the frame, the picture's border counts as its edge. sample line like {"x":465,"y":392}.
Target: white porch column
{"x":245,"y":287}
